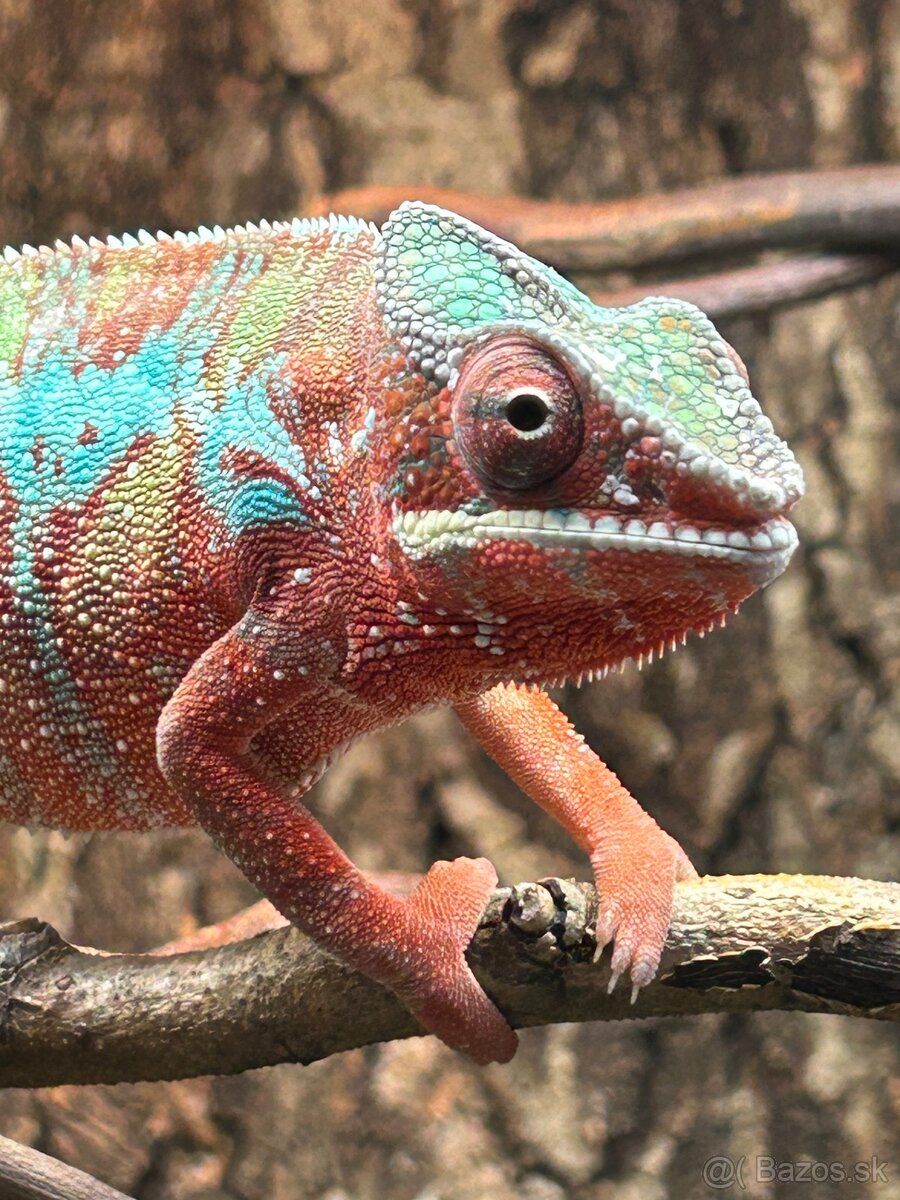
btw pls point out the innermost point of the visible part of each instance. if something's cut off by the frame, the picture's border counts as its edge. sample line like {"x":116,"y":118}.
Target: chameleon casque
{"x":266,"y":489}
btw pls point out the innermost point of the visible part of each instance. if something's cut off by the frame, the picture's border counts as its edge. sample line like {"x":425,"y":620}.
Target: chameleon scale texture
{"x":261,"y":492}
{"x":143,"y":397}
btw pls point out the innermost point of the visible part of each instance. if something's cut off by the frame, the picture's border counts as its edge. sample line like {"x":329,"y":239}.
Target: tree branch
{"x":761,"y":288}
{"x":842,"y":209}
{"x":822,"y":214}
{"x":27,"y":1174}
{"x":737,"y":944}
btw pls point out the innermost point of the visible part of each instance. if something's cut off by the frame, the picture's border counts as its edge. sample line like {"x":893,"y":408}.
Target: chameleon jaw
{"x":764,"y":550}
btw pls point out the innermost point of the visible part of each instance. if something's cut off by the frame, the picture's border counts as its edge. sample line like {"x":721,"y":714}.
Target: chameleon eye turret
{"x":516,"y":414}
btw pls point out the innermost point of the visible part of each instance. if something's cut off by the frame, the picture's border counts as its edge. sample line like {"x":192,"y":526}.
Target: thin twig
{"x":763,"y":287}
{"x":27,"y":1174}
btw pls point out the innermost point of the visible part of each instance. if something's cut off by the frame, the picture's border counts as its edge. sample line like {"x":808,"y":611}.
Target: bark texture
{"x":737,"y":943}
{"x":773,"y":745}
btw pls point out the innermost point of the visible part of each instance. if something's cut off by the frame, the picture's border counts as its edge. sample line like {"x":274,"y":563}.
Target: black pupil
{"x":527,"y":412}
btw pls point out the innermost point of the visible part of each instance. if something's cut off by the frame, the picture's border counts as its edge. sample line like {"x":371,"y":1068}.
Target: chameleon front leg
{"x":635,"y":863}
{"x":258,"y":672}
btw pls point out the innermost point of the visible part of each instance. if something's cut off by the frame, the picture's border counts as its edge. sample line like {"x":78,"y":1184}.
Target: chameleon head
{"x":593,"y":483}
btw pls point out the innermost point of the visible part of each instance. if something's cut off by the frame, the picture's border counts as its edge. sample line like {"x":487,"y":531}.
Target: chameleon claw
{"x":604,"y":933}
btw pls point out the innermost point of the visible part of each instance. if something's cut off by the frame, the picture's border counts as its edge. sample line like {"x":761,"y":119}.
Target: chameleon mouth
{"x":765,"y":549}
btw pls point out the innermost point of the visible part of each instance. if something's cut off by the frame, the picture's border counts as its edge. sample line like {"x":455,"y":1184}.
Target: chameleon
{"x":266,"y":489}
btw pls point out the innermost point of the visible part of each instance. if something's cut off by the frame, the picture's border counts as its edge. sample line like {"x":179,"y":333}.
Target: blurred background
{"x":773,"y":745}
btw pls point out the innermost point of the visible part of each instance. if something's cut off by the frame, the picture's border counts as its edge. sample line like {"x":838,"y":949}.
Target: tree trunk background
{"x":772,"y":745}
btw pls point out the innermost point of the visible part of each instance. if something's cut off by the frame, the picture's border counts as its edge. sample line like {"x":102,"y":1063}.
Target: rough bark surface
{"x":772,"y":746}
{"x":736,"y":944}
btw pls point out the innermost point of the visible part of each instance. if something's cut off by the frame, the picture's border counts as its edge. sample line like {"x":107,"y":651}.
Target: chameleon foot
{"x":635,"y":885}
{"x":441,"y":916}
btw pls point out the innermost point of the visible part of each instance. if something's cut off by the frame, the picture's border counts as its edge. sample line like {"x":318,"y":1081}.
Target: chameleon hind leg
{"x":263,"y":916}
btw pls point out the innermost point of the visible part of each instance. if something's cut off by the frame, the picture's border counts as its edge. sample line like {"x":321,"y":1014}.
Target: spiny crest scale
{"x":342,"y":226}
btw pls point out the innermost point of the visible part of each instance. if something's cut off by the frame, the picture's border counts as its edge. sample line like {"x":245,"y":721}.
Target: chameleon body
{"x":264,"y":490}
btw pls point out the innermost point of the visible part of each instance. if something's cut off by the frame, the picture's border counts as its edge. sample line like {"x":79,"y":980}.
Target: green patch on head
{"x":439,"y":274}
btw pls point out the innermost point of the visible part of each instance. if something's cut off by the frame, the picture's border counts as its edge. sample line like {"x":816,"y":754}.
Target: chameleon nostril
{"x":655,"y":493}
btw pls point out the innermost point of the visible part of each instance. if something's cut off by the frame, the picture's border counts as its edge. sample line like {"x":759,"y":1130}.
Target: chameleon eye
{"x":527,"y":410}
{"x":516,"y":414}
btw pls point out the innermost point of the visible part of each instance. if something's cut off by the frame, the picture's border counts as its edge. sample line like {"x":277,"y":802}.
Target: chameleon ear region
{"x":442,"y":279}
